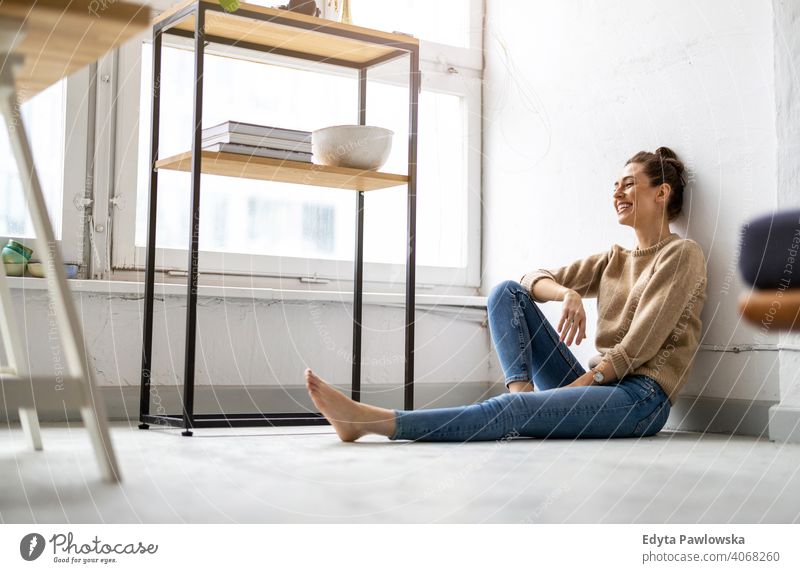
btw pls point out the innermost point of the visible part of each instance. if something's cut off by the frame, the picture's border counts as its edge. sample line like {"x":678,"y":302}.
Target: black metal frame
{"x":187,"y":419}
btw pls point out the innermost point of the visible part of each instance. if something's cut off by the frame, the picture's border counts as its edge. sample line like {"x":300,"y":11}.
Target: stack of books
{"x":258,"y":140}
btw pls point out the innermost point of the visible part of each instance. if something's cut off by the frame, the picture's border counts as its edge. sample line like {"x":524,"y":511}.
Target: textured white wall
{"x":265,"y":344}
{"x":574,"y":88}
{"x":787,"y":106}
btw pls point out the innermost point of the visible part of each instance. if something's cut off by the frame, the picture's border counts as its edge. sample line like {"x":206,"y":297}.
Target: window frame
{"x":446,"y":69}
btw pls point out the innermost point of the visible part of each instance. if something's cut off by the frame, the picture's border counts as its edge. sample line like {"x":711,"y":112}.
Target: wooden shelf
{"x":264,"y":168}
{"x":292,"y":33}
{"x":775,"y":308}
{"x":59,"y":38}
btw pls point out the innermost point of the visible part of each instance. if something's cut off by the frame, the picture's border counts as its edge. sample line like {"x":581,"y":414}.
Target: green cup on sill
{"x":15,"y":258}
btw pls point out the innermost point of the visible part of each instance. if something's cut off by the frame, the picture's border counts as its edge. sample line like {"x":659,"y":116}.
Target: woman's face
{"x":637,"y":203}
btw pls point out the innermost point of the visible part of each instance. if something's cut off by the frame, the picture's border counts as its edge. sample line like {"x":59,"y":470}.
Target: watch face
{"x":598,"y":376}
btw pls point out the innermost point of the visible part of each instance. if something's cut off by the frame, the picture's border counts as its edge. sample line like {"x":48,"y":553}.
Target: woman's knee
{"x":503,"y":288}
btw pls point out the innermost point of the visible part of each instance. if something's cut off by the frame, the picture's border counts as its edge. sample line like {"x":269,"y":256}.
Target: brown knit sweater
{"x":648,"y":306}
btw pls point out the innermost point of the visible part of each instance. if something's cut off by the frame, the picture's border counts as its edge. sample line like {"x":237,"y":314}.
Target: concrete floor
{"x":306,"y":475}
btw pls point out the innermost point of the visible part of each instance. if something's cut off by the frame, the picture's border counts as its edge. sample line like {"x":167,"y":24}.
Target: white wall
{"x":574,"y":88}
{"x":785,"y":418}
{"x":254,"y":350}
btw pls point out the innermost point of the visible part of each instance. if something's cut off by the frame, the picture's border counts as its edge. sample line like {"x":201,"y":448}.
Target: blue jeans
{"x":529,"y":349}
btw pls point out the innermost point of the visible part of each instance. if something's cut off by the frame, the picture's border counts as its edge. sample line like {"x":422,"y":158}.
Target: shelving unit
{"x":297,"y":36}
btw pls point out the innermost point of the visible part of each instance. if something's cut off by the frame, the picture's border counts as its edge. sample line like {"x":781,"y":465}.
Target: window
{"x":43,"y":116}
{"x":241,"y":215}
{"x":273,"y":229}
{"x":449,"y":22}
{"x":56,"y":124}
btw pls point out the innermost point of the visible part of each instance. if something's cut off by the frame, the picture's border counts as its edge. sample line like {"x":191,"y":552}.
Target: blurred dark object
{"x":769,"y":252}
{"x":768,"y":262}
{"x":308,"y":7}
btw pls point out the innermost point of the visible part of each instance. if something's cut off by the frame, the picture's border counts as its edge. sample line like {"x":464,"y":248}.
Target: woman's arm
{"x":568,"y":284}
{"x":587,"y":378}
{"x":547,"y":289}
{"x":581,"y":276}
{"x":572,"y":326}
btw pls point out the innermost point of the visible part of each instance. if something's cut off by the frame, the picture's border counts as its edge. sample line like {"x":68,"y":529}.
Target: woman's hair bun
{"x":670,"y":157}
{"x":666,"y":153}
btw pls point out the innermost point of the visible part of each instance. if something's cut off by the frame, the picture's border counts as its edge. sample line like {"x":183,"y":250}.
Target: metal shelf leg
{"x":194,"y":223}
{"x":414,"y":88}
{"x":358,"y":279}
{"x":152,"y":212}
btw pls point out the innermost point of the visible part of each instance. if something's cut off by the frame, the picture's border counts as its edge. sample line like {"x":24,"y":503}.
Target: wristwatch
{"x":597,"y":375}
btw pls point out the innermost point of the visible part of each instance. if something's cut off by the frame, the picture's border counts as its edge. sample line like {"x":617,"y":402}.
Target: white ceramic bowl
{"x":358,"y":146}
{"x":36,"y":269}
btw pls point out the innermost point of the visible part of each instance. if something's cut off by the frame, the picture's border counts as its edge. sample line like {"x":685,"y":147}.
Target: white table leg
{"x":30,"y":426}
{"x":92,"y":405}
{"x":12,"y":342}
{"x":17,"y":365}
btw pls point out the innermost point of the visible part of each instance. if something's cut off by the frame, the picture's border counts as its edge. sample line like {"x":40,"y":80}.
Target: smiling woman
{"x":649,"y":304}
{"x":647,"y":170}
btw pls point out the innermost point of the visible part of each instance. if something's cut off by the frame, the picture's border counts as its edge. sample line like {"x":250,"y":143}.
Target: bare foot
{"x":520,"y":386}
{"x":350,"y":419}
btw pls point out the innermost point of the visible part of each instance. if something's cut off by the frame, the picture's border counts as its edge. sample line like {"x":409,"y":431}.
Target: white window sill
{"x":208,"y":291}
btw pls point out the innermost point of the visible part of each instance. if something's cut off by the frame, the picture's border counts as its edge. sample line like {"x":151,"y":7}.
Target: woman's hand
{"x":585,"y":379}
{"x":572,"y":326}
